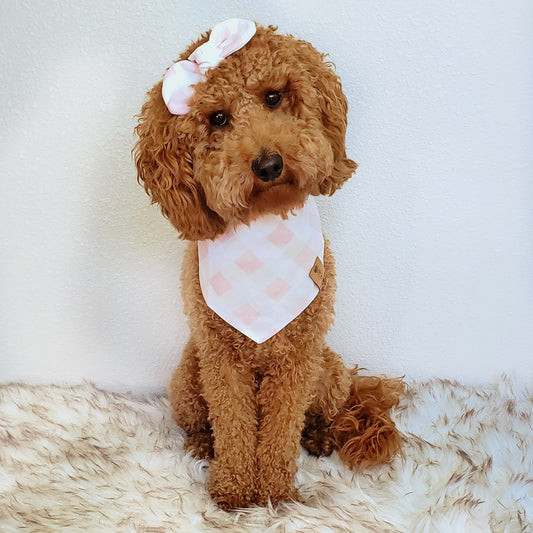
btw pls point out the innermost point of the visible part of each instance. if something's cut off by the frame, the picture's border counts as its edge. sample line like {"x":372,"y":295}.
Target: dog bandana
{"x":258,"y":278}
{"x":225,"y":38}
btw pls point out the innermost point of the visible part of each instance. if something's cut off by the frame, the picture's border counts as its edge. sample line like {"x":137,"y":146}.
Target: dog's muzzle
{"x":268,"y":166}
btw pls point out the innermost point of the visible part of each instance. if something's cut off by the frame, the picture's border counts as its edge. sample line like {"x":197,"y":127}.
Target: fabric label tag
{"x":317,"y":272}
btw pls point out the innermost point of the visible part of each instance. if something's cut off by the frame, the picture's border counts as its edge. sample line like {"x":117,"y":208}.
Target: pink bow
{"x":226,"y":37}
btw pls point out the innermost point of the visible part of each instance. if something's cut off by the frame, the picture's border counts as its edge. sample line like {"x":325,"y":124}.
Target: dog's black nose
{"x":268,"y":166}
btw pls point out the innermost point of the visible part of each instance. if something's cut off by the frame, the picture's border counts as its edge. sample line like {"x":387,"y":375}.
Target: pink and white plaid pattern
{"x":257,"y":277}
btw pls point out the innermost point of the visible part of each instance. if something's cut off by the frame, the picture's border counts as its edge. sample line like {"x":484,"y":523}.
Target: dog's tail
{"x":364,"y":431}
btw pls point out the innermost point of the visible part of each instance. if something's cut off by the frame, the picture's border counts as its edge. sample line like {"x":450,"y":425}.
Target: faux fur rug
{"x":83,"y":460}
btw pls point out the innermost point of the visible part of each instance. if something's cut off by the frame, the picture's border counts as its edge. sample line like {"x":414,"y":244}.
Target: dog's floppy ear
{"x":333,"y":109}
{"x":165,"y":168}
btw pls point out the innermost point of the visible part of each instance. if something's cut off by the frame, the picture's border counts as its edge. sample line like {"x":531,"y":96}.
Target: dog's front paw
{"x":276,"y":494}
{"x":229,"y":501}
{"x":231,"y":490}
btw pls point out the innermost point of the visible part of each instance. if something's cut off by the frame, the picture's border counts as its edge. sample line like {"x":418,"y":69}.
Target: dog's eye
{"x":272,"y":99}
{"x":219,"y":118}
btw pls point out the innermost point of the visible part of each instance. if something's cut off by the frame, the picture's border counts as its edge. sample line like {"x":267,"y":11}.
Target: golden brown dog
{"x":248,"y":406}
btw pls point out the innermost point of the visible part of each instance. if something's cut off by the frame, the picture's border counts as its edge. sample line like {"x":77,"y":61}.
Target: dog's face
{"x":265,"y":130}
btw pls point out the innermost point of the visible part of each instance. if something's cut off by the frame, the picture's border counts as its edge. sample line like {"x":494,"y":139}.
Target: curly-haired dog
{"x":248,"y":141}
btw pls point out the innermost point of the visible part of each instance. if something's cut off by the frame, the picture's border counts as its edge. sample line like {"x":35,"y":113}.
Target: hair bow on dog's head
{"x":226,"y":37}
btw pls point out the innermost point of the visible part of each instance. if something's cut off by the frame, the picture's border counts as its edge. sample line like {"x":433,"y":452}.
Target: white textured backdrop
{"x":433,"y":236}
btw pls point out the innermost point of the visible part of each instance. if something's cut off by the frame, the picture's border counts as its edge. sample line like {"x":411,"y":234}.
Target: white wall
{"x":433,"y":236}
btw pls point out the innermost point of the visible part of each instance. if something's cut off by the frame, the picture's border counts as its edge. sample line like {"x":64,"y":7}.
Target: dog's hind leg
{"x":188,"y":406}
{"x":351,"y":413}
{"x":332,"y":390}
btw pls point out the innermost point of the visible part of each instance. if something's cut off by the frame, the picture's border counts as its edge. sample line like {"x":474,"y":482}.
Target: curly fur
{"x":248,"y":406}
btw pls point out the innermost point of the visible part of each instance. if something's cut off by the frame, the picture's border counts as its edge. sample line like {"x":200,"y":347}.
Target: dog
{"x":244,"y":130}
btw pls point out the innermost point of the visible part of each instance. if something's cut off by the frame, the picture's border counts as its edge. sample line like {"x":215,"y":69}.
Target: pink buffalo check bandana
{"x":257,"y":277}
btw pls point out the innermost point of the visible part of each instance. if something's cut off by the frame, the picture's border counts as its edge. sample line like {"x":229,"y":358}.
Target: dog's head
{"x":265,"y":129}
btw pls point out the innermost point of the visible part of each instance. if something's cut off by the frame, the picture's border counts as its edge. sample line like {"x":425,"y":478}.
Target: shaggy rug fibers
{"x":78,"y":459}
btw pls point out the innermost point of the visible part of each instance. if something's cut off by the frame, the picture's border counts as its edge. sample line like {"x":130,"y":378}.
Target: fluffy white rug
{"x":83,"y":460}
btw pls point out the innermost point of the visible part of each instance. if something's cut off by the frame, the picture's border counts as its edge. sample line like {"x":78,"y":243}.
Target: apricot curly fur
{"x":363,"y":431}
{"x":249,"y":406}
